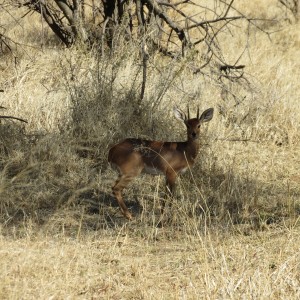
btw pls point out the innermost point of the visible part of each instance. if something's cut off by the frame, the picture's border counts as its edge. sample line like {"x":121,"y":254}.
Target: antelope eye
{"x":199,"y":126}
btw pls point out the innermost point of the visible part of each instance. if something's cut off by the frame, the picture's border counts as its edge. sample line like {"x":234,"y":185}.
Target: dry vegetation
{"x":233,"y":230}
{"x":128,"y":266}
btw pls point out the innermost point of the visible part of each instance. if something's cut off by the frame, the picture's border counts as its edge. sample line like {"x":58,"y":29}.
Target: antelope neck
{"x":192,"y":148}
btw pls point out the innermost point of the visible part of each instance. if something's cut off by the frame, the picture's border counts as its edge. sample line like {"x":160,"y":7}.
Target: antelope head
{"x":193,"y":125}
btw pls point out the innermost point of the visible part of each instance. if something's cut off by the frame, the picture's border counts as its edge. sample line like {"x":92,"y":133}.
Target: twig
{"x":236,"y":140}
{"x":14,"y":118}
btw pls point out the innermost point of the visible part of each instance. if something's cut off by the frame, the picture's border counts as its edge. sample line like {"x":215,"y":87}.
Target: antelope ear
{"x":179,"y":114}
{"x":207,"y":115}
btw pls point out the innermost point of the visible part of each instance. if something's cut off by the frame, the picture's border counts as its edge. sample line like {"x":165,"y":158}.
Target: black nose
{"x":193,"y":134}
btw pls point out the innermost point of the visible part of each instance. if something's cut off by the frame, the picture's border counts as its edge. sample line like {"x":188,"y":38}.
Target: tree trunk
{"x":109,"y":8}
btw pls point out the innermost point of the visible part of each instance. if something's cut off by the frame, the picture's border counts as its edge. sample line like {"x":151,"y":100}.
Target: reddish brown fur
{"x":132,"y":156}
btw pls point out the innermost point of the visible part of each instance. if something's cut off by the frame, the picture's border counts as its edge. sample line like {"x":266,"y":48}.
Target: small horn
{"x":188,"y":109}
{"x":198,"y":116}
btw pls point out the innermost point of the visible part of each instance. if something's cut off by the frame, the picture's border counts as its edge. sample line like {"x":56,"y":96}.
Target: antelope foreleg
{"x":170,"y":188}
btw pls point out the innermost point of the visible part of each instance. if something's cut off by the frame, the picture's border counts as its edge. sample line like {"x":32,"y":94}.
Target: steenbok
{"x":132,"y":156}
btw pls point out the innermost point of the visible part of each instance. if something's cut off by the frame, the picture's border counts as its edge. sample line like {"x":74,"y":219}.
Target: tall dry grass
{"x":233,"y":230}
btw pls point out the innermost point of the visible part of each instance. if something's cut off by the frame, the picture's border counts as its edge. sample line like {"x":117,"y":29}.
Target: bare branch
{"x":53,"y":21}
{"x":178,"y":29}
{"x":216,"y":21}
{"x":66,"y":9}
{"x":164,"y":3}
{"x":228,"y":8}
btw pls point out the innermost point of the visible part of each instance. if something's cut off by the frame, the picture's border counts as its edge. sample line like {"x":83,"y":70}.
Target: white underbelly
{"x":183,"y":170}
{"x":155,"y":171}
{"x":152,"y":171}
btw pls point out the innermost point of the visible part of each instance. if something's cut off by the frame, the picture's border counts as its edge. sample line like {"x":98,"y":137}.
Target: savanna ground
{"x":234,"y":226}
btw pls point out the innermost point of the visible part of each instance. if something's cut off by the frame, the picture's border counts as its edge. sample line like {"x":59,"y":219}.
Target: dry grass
{"x":234,"y":227}
{"x":98,"y":266}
